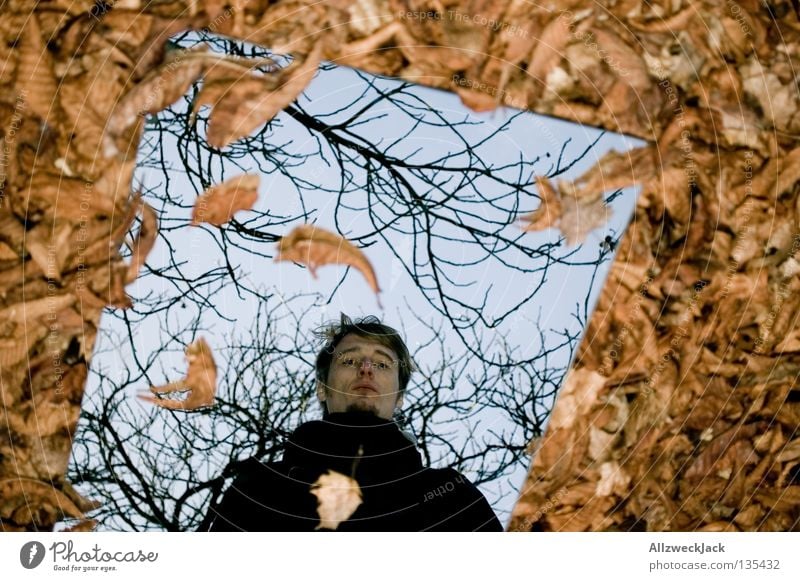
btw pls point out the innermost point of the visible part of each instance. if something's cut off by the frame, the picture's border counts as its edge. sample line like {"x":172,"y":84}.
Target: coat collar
{"x":357,"y":444}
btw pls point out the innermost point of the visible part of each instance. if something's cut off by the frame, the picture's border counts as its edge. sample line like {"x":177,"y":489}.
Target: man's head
{"x":364,"y":366}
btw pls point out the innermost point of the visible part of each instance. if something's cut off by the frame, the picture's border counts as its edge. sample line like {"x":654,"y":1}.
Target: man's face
{"x":364,"y":376}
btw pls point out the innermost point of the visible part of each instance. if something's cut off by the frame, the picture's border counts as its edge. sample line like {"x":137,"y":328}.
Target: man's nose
{"x":366,"y":367}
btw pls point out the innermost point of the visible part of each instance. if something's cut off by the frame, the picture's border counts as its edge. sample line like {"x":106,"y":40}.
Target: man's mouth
{"x":365,"y":387}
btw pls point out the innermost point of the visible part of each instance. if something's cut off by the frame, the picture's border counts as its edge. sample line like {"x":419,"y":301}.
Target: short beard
{"x":362,"y":406}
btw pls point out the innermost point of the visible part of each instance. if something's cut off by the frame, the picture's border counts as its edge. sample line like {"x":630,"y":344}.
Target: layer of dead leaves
{"x":695,"y":337}
{"x":681,"y":410}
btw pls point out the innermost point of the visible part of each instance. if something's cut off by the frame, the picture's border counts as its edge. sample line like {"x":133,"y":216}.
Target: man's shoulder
{"x":461,"y":506}
{"x":256,"y":469}
{"x":445,"y":475}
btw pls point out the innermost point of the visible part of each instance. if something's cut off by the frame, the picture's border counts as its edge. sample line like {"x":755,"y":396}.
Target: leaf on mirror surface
{"x":158,"y":90}
{"x":219,"y":203}
{"x":145,"y":240}
{"x":548,"y":214}
{"x":86,"y":525}
{"x":574,"y":210}
{"x":338,"y":497}
{"x":242,"y":100}
{"x":315,"y":247}
{"x":200,"y":381}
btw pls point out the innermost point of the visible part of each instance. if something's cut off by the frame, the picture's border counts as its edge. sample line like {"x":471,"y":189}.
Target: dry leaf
{"x":548,"y":214}
{"x":36,"y":81}
{"x":23,"y":493}
{"x":145,"y":240}
{"x":242,"y":103}
{"x":549,"y":51}
{"x":86,"y":525}
{"x":338,"y":497}
{"x":200,"y":381}
{"x":158,"y":90}
{"x":49,"y":247}
{"x":218,"y":204}
{"x":315,"y":247}
{"x":576,"y":211}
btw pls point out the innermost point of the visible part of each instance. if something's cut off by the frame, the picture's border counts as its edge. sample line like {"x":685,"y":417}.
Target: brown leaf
{"x":241,"y":104}
{"x":315,"y":247}
{"x":22,"y":493}
{"x":7,"y":253}
{"x":158,"y":90}
{"x":200,"y":381}
{"x":728,"y":450}
{"x":338,"y":497}
{"x":622,"y":59}
{"x":550,"y":49}
{"x":576,"y":211}
{"x":548,"y":214}
{"x":64,"y":198}
{"x":49,"y":247}
{"x":790,"y":452}
{"x":35,"y":78}
{"x":86,"y":525}
{"x":218,"y":204}
{"x":145,"y":240}
{"x":789,"y":173}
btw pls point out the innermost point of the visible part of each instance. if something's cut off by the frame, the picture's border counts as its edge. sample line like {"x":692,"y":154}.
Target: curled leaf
{"x":575,"y":210}
{"x":315,"y":247}
{"x":219,"y":203}
{"x":200,"y":381}
{"x":17,"y":495}
{"x":86,"y":525}
{"x":36,"y":81}
{"x":49,"y":247}
{"x":243,"y":100}
{"x":158,"y":90}
{"x":338,"y":497}
{"x":548,"y":213}
{"x":145,"y":240}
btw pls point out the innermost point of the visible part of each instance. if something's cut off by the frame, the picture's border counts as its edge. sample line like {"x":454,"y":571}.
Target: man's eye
{"x":348,"y":361}
{"x":382,"y":365}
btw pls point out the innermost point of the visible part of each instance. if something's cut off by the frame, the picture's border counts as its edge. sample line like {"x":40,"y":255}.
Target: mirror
{"x":435,"y":196}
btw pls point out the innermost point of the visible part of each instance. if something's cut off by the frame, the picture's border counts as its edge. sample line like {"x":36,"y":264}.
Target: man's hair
{"x":369,"y":327}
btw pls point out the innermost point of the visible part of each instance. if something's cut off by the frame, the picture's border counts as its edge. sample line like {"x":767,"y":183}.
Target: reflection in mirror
{"x":438,"y":203}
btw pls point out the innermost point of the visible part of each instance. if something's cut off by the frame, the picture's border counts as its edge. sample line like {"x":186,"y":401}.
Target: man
{"x":362,"y":374}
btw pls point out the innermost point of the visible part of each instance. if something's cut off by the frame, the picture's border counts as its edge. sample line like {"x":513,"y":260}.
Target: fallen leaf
{"x":35,"y":78}
{"x":86,"y":525}
{"x":548,"y":214}
{"x":200,"y":381}
{"x":218,"y":204}
{"x":315,"y":247}
{"x":49,"y":247}
{"x":145,"y":240}
{"x":18,"y":495}
{"x":550,"y":49}
{"x":243,"y":101}
{"x":575,"y":210}
{"x":158,"y":90}
{"x":338,"y":497}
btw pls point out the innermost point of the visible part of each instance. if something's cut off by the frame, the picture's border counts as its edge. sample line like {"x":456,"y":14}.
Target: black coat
{"x":399,"y":493}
